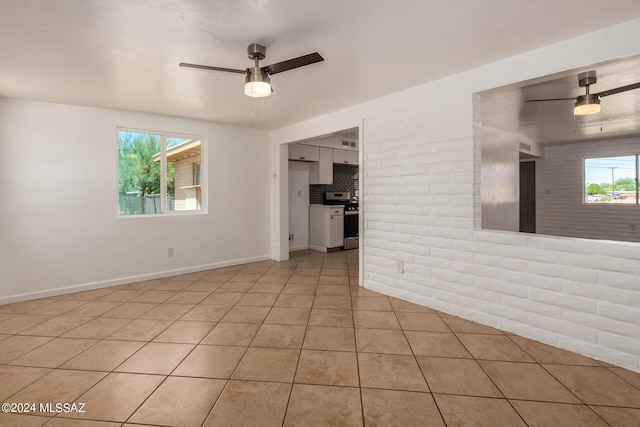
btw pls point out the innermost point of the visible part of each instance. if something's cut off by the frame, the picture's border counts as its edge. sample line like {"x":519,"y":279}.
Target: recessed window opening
{"x":159,"y":173}
{"x":611,"y":180}
{"x":545,"y":170}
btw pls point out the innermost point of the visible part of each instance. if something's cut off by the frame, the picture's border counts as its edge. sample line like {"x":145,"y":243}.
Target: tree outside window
{"x":611,"y":180}
{"x":155,"y":173}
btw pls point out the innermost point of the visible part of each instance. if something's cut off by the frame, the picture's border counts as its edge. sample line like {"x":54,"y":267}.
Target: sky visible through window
{"x":601,"y":170}
{"x":611,"y":180}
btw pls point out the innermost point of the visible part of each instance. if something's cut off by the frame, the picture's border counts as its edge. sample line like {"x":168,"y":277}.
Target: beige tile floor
{"x":288,"y":344}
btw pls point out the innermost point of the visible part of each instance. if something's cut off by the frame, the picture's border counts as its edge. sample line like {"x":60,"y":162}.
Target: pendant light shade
{"x":257,"y":83}
{"x":587,"y":104}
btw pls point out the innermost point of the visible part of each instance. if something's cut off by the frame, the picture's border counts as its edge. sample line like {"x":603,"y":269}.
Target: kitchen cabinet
{"x":308,"y":153}
{"x":321,"y":172}
{"x":336,"y":231}
{"x":345,"y":157}
{"x":326,"y":227}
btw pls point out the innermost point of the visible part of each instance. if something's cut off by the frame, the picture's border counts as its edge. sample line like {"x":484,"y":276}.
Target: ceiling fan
{"x":257,"y":81}
{"x":589,"y":103}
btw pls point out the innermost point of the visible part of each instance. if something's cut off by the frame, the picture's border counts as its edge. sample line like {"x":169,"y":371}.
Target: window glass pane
{"x":610,"y":180}
{"x":138,"y":173}
{"x":183,"y":184}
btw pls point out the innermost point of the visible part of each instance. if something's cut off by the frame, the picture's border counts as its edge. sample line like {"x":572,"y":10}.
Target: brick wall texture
{"x":184,"y":176}
{"x":421,"y":208}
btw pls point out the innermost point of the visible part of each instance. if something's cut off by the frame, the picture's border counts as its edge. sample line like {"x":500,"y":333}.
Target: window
{"x":611,"y":180}
{"x":157,"y":173}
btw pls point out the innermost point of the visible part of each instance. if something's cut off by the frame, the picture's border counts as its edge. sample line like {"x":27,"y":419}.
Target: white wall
{"x":299,"y":205}
{"x":421,"y":174}
{"x":500,"y":179}
{"x":559,"y":194}
{"x":59,"y":229}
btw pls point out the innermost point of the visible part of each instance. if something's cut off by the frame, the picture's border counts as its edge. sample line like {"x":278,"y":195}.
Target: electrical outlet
{"x":169,"y":252}
{"x":290,"y":236}
{"x":632,"y":226}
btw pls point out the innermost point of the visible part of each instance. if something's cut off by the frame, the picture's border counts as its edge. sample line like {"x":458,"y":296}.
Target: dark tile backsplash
{"x":345,"y":178}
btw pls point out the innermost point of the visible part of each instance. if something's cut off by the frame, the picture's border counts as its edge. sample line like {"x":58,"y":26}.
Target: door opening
{"x":528,"y":197}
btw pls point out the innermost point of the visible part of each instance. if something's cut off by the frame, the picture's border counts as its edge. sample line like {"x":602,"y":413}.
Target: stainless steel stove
{"x":351,"y":216}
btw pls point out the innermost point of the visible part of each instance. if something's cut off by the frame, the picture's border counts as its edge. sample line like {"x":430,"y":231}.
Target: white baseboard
{"x":298,"y":248}
{"x":126,"y":280}
{"x":318,"y":248}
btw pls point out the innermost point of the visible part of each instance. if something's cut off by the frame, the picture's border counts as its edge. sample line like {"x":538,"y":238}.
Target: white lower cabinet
{"x":326,"y":227}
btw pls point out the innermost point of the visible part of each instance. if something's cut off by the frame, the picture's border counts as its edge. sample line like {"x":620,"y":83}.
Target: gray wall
{"x":559,"y":194}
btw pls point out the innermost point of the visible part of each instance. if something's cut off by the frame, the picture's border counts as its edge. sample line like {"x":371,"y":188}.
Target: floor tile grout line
{"x":567,"y":388}
{"x":536,"y":363}
{"x":613,"y":371}
{"x":136,"y":373}
{"x":415,"y":358}
{"x":504,"y":397}
{"x":295,"y":372}
{"x":541,"y":365}
{"x":351,"y":295}
{"x":98,"y":340}
{"x":145,"y":400}
{"x":178,"y":364}
{"x":170,"y":375}
{"x":355,"y":339}
{"x":243,"y":354}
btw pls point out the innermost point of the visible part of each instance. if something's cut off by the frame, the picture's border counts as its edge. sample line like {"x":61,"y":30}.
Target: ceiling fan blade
{"x":550,"y":99}
{"x":618,"y":90}
{"x":290,"y":64}
{"x":209,"y":67}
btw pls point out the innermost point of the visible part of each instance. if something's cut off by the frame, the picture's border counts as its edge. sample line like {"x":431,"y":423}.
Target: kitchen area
{"x":324,"y":193}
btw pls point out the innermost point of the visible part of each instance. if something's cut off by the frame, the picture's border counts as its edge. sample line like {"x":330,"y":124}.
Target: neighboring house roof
{"x":181,"y":151}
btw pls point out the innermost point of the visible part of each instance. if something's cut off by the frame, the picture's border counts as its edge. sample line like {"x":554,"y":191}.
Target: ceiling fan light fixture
{"x":257,"y":83}
{"x":587,"y":104}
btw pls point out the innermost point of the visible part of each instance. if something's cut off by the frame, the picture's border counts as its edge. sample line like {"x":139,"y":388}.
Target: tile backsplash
{"x":345,"y":178}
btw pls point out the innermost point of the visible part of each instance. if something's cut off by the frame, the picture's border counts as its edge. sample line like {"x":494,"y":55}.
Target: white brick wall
{"x":560,"y":208}
{"x":421,"y":205}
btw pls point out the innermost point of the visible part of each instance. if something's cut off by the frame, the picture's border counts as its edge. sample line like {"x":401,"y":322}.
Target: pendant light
{"x":587,"y":104}
{"x":257,"y":83}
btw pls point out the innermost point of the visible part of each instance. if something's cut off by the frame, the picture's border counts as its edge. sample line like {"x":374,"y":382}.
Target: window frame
{"x":164,"y":135}
{"x":635,"y":154}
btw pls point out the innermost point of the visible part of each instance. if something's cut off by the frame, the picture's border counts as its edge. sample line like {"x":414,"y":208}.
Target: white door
{"x":298,"y":206}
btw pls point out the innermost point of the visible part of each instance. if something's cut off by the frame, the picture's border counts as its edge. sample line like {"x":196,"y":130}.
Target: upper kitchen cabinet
{"x":345,"y":157}
{"x":322,"y":172}
{"x":305,"y":153}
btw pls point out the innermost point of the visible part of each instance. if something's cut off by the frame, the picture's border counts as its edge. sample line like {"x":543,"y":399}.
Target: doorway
{"x":321,"y":165}
{"x":298,"y":206}
{"x":528,"y":197}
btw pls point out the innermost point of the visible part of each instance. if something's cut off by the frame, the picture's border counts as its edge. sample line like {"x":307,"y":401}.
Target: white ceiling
{"x":124,"y":54}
